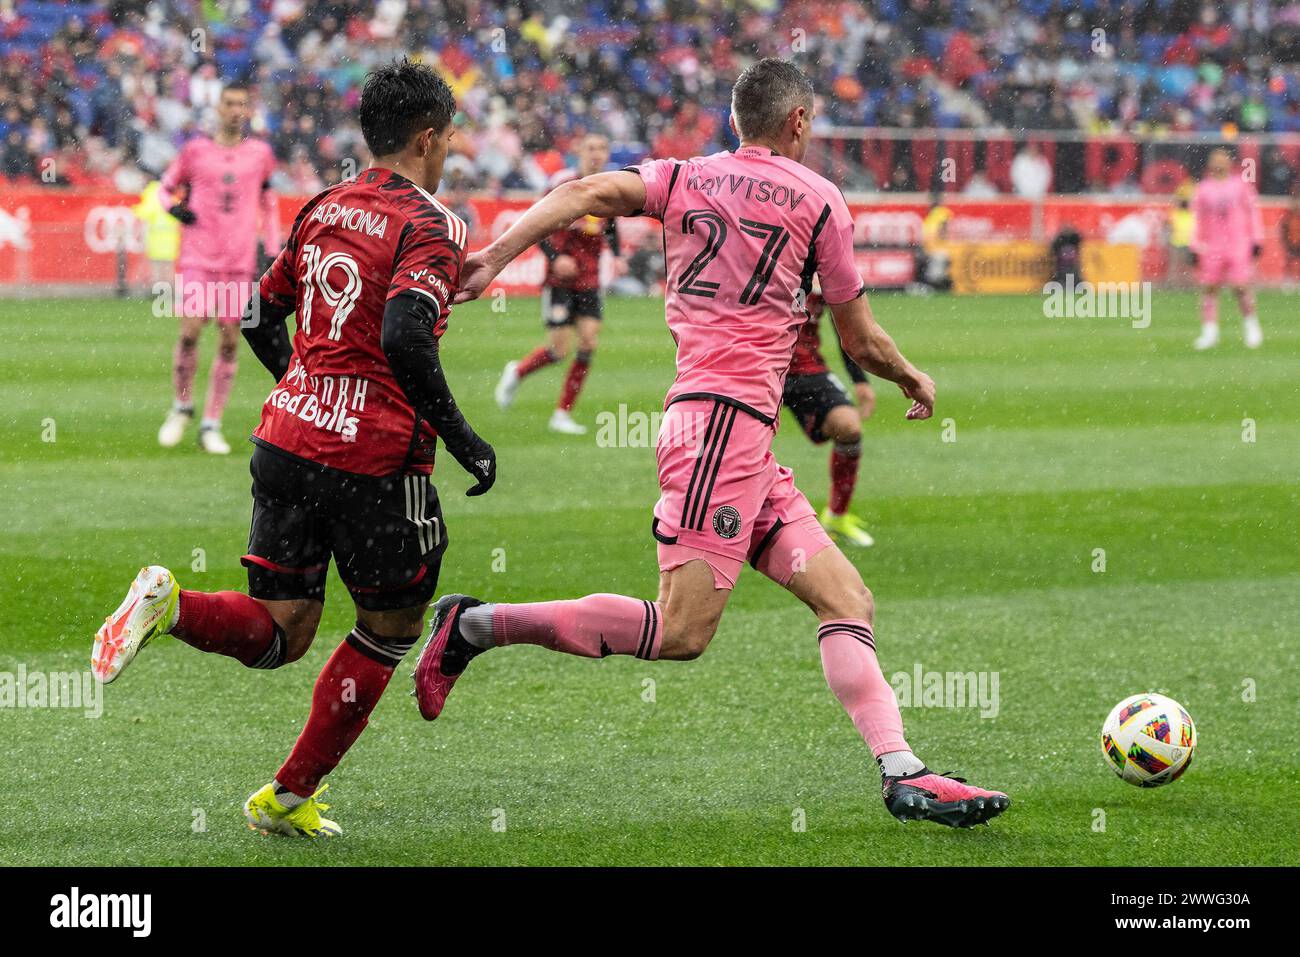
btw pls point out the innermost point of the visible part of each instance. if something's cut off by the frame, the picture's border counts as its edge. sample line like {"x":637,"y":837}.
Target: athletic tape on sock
{"x":275,"y":652}
{"x":386,"y":651}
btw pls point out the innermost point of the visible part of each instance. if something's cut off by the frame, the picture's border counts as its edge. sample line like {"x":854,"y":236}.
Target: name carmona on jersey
{"x":368,"y":221}
{"x":444,"y":292}
{"x":752,"y":188}
{"x":323,"y":401}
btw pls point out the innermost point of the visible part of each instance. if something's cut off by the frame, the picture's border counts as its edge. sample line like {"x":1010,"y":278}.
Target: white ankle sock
{"x":895,"y":764}
{"x":475,"y":626}
{"x":287,"y":797}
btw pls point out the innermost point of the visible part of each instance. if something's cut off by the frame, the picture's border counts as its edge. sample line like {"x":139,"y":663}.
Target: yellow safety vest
{"x":162,"y":240}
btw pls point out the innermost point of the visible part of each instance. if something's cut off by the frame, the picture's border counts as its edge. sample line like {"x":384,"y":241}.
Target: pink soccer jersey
{"x":744,"y":233}
{"x":1228,"y":222}
{"x":229,"y":194}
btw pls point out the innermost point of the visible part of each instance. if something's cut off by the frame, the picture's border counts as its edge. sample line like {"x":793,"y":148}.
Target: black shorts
{"x":811,"y":398}
{"x":386,"y":534}
{"x":563,"y":307}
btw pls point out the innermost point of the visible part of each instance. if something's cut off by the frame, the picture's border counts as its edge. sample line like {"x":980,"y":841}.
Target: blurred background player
{"x":1229,"y":234}
{"x":824,"y":411}
{"x":1290,"y":230}
{"x":571,"y":296}
{"x":1182,"y":230}
{"x":219,"y":187}
{"x":933,"y":260}
{"x":343,"y":456}
{"x":162,"y":235}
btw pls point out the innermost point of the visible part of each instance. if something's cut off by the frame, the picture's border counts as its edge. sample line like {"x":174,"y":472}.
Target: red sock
{"x":232,"y":624}
{"x":539,"y":358}
{"x":347,"y":690}
{"x":573,"y":381}
{"x":844,"y":475}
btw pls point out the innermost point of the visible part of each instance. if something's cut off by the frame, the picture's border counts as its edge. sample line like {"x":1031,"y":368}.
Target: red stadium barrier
{"x":55,"y":239}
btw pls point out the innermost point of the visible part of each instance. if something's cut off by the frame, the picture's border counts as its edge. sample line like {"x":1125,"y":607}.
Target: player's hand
{"x":620,"y":266}
{"x":183,"y":214}
{"x":1195,"y":258}
{"x":866,"y":399}
{"x":479,"y":459}
{"x":476,"y":275}
{"x":564,"y":268}
{"x":1256,"y":250}
{"x":921,"y":391}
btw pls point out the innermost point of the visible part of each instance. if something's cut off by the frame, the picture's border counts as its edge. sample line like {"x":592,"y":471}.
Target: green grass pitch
{"x":1071,"y":435}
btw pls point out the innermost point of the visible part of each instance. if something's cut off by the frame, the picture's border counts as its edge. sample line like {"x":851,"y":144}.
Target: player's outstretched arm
{"x":411,"y":347}
{"x":872,"y":348}
{"x":618,"y":193}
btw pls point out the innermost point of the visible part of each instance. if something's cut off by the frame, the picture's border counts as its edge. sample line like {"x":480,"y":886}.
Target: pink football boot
{"x":444,"y":656}
{"x":942,"y":798}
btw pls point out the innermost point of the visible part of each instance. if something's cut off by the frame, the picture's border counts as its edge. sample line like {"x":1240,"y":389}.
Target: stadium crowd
{"x":104,"y":93}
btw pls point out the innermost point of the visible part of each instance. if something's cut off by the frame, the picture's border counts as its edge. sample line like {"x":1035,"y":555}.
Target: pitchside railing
{"x":960,"y":161}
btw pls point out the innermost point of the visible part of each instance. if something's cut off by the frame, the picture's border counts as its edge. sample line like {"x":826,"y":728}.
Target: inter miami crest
{"x":726,"y":521}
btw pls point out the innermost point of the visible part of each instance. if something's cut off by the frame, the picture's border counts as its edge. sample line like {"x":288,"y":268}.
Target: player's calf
{"x":693,"y":606}
{"x":843,"y":425}
{"x":299,"y":619}
{"x":832,"y":588}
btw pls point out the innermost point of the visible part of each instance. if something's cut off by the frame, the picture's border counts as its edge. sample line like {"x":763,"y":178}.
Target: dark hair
{"x":765,"y":94}
{"x":236,"y":86}
{"x":398,"y":101}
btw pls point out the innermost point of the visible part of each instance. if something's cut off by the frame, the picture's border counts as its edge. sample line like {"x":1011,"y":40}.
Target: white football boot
{"x":508,"y":385}
{"x":1208,"y":339}
{"x":212,"y":441}
{"x":1251,"y":334}
{"x":561,"y":421}
{"x":150,"y":609}
{"x":173,"y":428}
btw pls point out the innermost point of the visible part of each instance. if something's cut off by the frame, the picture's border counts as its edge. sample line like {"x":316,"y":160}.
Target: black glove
{"x":479,"y":459}
{"x":184,"y":214}
{"x":1195,"y":257}
{"x":1255,"y":250}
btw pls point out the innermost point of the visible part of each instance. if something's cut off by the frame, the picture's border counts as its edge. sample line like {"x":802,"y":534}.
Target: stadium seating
{"x":104,"y":71}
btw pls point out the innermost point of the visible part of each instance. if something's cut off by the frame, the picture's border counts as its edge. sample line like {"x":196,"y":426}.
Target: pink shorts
{"x":212,"y":294}
{"x":725,"y":499}
{"x":1220,"y":269}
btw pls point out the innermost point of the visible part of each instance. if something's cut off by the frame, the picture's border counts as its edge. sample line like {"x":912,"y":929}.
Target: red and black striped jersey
{"x":353,"y":247}
{"x":584,"y":240}
{"x":807,"y":358}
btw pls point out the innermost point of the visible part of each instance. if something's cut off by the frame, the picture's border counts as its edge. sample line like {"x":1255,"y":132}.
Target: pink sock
{"x":1209,"y":310}
{"x":853,"y":673}
{"x":592,"y":627}
{"x":184,"y":361}
{"x":1246,"y":303}
{"x":220,"y":379}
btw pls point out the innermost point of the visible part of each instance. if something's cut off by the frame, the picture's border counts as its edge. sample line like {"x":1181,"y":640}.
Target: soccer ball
{"x":1148,"y":740}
